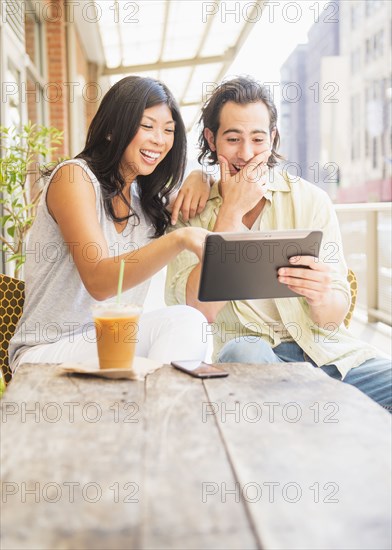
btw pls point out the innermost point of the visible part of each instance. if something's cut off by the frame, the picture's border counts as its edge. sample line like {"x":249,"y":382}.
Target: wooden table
{"x":272,"y":457}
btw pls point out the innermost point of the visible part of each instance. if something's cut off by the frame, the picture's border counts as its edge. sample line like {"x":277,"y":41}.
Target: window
{"x":383,"y":152}
{"x":390,"y":140}
{"x":368,"y":51}
{"x":12,"y":64}
{"x":386,"y":99}
{"x":352,"y":64}
{"x":355,"y":16}
{"x":355,"y":127}
{"x":374,"y":155}
{"x":33,"y":32}
{"x":355,"y":61}
{"x":35,"y":80}
{"x":352,"y":112}
{"x":372,"y":6}
{"x":355,"y":108}
{"x":377,"y":89}
{"x":358,"y":145}
{"x":14,"y":108}
{"x":379,"y":43}
{"x":374,"y":46}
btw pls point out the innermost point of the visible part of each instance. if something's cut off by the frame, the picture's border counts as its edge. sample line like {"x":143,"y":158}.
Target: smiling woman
{"x":137,"y":114}
{"x":158,"y":125}
{"x":107,"y":205}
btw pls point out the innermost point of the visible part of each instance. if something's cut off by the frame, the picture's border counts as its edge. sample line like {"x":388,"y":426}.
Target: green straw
{"x":120,"y":281}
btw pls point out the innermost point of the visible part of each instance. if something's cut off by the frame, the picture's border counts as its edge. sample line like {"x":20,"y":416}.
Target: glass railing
{"x":366,"y":231}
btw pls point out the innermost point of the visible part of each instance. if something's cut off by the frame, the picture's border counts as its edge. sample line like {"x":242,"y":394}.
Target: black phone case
{"x":198,"y":375}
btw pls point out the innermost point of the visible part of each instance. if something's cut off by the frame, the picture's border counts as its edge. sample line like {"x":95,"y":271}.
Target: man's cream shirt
{"x":292,"y":203}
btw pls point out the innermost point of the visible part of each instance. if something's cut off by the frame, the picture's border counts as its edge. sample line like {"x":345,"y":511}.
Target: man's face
{"x":243,"y":133}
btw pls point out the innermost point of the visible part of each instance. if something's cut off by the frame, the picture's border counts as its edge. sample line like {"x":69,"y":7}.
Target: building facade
{"x":365,"y":41}
{"x":347,"y":103}
{"x":49,"y":68}
{"x":302,"y":120}
{"x":293,"y":111}
{"x":323,"y":42}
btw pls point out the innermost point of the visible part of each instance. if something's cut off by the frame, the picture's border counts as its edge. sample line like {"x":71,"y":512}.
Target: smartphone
{"x":199,"y":369}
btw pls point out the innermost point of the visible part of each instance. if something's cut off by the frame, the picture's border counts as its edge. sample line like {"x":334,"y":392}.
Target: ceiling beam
{"x":242,"y":37}
{"x":165,"y":27}
{"x":226,"y":63}
{"x":175,"y":64}
{"x":198,"y":53}
{"x":120,"y":34}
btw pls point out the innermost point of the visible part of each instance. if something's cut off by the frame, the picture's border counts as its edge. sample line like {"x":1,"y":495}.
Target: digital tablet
{"x":244,"y":266}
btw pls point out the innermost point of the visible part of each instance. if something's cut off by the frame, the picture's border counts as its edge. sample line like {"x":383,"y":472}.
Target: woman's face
{"x":151,"y":144}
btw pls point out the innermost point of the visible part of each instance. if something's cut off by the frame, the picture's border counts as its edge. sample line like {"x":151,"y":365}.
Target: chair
{"x":354,"y":292}
{"x":11,"y":307}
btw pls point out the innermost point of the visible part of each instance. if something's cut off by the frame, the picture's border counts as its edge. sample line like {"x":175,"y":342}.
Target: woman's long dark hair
{"x":113,"y":128}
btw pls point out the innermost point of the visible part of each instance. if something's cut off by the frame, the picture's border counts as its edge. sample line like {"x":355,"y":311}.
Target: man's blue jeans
{"x":373,"y":377}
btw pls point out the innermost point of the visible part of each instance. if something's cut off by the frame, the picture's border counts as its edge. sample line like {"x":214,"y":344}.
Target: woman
{"x":108,"y":204}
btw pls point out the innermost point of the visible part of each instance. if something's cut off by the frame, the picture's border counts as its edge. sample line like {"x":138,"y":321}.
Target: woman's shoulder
{"x":76,"y":167}
{"x":75,"y":171}
{"x":71,"y":182}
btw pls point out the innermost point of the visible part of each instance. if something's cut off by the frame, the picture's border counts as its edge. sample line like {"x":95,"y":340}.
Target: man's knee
{"x":374,"y":378}
{"x":243,"y":351}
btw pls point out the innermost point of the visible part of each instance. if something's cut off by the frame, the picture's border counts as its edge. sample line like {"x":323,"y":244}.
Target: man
{"x":239,"y":130}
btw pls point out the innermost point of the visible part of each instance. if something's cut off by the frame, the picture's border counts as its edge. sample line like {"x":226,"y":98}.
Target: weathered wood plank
{"x":327,"y":449}
{"x":96,"y":447}
{"x":165,"y":457}
{"x":175,"y":448}
{"x":182,"y":455}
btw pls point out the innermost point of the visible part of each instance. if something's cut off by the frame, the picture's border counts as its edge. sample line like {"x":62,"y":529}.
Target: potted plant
{"x":24,"y":154}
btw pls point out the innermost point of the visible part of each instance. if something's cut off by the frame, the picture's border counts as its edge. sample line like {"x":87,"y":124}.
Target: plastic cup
{"x":116,"y":327}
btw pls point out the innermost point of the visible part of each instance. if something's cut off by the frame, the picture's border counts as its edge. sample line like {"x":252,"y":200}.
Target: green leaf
{"x":22,"y":155}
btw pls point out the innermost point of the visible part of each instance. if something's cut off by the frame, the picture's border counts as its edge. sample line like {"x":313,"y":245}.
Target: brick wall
{"x":56,"y":93}
{"x":91,"y":93}
{"x":93,"y":99}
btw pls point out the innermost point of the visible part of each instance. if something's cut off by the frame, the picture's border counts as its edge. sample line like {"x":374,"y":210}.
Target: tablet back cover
{"x":246,"y":269}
